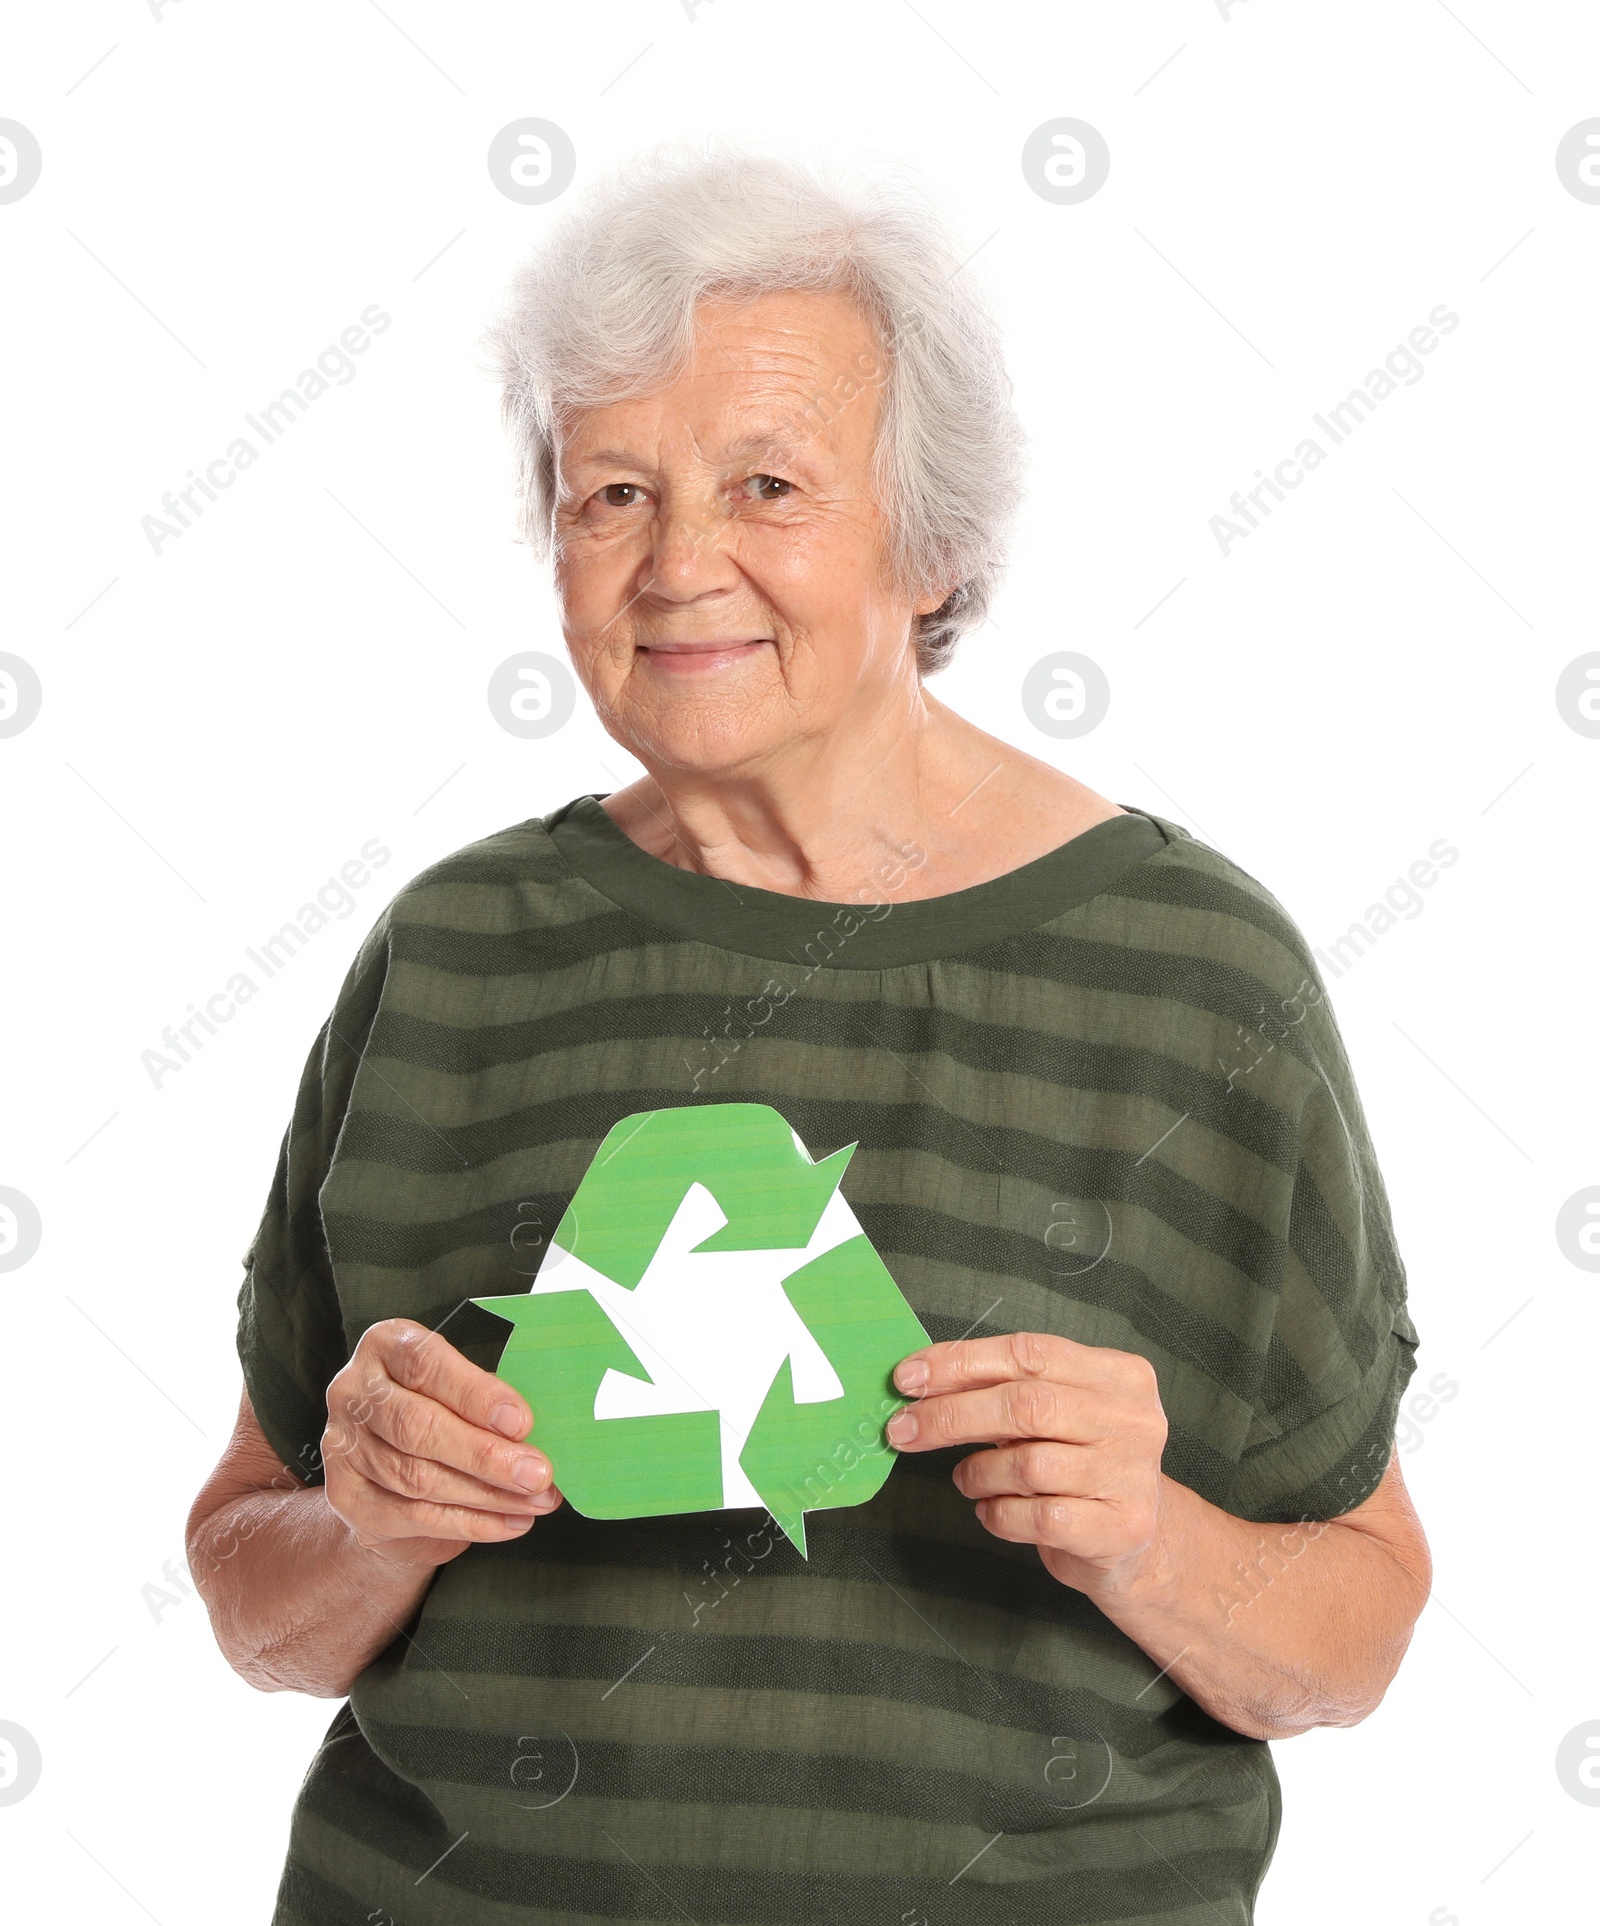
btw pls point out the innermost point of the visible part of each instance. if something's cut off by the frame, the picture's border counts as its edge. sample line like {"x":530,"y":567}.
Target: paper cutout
{"x":719,"y":1330}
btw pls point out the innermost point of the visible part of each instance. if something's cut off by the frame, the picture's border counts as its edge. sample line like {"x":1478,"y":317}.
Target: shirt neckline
{"x":861,"y":936}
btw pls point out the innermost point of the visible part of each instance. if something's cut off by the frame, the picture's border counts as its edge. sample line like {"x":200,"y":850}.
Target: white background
{"x":226,"y":723}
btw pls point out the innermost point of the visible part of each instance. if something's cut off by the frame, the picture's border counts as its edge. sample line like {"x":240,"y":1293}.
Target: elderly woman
{"x":1144,"y":1513}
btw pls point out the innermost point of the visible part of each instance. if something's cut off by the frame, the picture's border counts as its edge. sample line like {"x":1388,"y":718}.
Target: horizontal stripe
{"x":731,"y":1776}
{"x":1181,"y":1886}
{"x":819,"y":1664}
{"x":405,"y":1144}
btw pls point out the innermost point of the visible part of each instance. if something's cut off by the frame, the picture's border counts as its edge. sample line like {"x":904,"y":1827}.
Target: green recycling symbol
{"x":720,"y":1331}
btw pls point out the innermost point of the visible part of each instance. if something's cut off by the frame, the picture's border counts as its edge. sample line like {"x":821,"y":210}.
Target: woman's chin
{"x":704,"y":732}
{"x":708,"y":746}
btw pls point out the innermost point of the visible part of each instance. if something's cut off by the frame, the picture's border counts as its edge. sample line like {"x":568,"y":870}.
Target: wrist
{"x":404,"y":1557}
{"x":1150,"y":1578}
{"x":375,"y":1557}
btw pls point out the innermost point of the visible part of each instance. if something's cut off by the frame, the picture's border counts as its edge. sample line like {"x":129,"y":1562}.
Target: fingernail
{"x":546,"y":1501}
{"x":533,"y":1474}
{"x":507,"y":1418}
{"x":902,"y":1427}
{"x":912,"y":1375}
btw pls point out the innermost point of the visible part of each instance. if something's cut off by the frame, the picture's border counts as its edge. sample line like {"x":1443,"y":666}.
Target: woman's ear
{"x":934,"y":599}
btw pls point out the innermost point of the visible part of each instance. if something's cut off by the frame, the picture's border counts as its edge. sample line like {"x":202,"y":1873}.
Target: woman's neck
{"x":912,"y":802}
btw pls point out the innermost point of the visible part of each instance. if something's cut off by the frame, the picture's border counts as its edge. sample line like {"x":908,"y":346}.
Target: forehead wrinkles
{"x":748,"y":436}
{"x":768,"y":335}
{"x":752,"y":392}
{"x":770,"y":401}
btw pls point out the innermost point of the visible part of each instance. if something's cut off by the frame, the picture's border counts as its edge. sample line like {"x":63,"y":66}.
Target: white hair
{"x":604,"y":311}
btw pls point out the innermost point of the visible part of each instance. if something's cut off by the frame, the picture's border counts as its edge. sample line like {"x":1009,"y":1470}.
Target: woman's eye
{"x":768,"y":488}
{"x":619,"y":494}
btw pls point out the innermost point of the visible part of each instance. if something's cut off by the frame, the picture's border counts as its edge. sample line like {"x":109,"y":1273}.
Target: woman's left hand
{"x":1076,"y":1432}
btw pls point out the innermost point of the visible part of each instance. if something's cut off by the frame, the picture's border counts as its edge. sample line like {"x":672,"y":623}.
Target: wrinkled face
{"x":720,"y":556}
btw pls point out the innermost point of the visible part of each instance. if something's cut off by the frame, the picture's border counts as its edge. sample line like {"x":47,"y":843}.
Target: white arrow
{"x":712,"y":1328}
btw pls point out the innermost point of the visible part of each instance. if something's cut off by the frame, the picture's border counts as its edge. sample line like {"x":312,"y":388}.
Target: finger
{"x":409,"y":1476}
{"x":1034,"y":1408}
{"x":969,"y":1363}
{"x":423,"y":1361}
{"x":421,"y":1427}
{"x":1059,"y":1524}
{"x":1031,"y":1470}
{"x":371,"y":1510}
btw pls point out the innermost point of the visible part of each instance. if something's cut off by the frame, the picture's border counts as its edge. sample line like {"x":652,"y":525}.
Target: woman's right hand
{"x":423,"y":1456}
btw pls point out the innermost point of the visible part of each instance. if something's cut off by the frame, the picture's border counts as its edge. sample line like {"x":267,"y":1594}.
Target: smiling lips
{"x":701,"y":657}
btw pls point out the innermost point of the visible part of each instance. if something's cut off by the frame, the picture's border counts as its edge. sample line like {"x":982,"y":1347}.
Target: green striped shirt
{"x":1103,"y":1095}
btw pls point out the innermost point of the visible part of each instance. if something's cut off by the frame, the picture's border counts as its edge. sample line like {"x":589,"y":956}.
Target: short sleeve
{"x":1343,"y":1345}
{"x":291,"y":1335}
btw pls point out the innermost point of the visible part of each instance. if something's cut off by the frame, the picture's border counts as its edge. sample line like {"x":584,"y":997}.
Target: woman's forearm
{"x":306,"y":1585}
{"x":1270,"y":1628}
{"x":296,"y":1603}
{"x":1273,"y":1629}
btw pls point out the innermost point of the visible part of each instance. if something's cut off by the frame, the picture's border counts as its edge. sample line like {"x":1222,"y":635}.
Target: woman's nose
{"x":689,"y":547}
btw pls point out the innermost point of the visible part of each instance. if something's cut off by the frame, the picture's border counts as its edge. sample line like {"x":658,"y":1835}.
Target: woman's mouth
{"x":704,"y":656}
